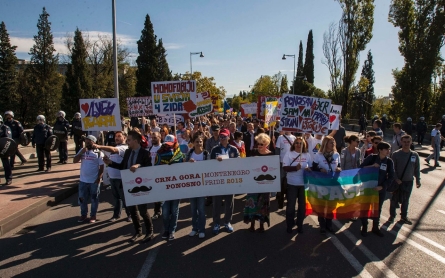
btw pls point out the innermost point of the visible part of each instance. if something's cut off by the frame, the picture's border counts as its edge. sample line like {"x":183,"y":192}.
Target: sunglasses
{"x":259,"y":144}
{"x":376,"y":143}
{"x":223,"y":137}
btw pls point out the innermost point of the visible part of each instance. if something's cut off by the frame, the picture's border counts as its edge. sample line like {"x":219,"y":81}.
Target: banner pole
{"x":174,"y":127}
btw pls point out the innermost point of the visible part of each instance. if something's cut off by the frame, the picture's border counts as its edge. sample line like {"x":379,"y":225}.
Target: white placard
{"x":173,"y":97}
{"x":202,"y":178}
{"x":334,"y":116}
{"x":100,"y":114}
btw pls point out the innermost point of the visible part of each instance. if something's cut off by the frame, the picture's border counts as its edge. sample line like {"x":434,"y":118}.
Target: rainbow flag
{"x":342,"y":195}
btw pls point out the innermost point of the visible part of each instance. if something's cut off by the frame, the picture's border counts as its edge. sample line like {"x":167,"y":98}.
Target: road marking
{"x":424,"y":238}
{"x":348,"y":256}
{"x":146,"y":267}
{"x":373,"y":258}
{"x":415,"y":244}
{"x":441,"y":211}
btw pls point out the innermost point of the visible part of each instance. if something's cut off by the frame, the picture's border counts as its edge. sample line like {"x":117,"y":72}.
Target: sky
{"x":240,"y":40}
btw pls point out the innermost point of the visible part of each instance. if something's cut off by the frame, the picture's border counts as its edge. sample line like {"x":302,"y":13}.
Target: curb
{"x":34,"y":155}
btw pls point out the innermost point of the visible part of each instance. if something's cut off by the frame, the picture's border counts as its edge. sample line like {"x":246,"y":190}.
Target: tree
{"x":333,"y":61}
{"x":78,"y":82}
{"x":127,"y":86}
{"x":300,"y":64}
{"x":308,"y":69}
{"x":203,"y":84}
{"x":368,"y":73}
{"x":284,"y":89}
{"x":8,"y":75}
{"x":147,"y":61}
{"x":164,"y":73}
{"x":47,"y":82}
{"x":355,"y":31}
{"x":422,"y":25}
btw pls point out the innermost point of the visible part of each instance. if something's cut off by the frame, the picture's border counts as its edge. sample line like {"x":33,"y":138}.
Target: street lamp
{"x":115,"y":65}
{"x":284,"y":58}
{"x":194,"y":53}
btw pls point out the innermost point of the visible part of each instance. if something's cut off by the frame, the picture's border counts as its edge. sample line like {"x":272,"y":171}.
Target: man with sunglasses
{"x":221,"y":152}
{"x":373,"y":150}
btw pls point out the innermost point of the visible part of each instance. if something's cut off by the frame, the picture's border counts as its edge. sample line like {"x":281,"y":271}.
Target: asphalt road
{"x":55,"y":245}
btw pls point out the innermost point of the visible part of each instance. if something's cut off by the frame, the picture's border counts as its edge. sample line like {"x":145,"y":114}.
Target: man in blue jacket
{"x":41,"y":132}
{"x":16,"y":129}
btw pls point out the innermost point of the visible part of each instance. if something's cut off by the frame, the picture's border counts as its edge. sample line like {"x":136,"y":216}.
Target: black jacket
{"x":247,"y":137}
{"x":16,"y":128}
{"x":144,"y":159}
{"x":41,"y":133}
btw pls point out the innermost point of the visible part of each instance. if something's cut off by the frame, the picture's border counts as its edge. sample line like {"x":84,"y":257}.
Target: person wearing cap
{"x":214,"y":140}
{"x":60,"y":129}
{"x":91,"y":170}
{"x":41,"y":132}
{"x":16,"y":130}
{"x":116,"y":155}
{"x":223,"y":151}
{"x":168,"y":154}
{"x":76,"y":131}
{"x":5,"y":132}
{"x":409,"y":127}
{"x":421,"y":128}
{"x":136,"y":157}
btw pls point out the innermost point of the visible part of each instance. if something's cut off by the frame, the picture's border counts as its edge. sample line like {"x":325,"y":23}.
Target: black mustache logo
{"x":137,"y":189}
{"x":265,"y":178}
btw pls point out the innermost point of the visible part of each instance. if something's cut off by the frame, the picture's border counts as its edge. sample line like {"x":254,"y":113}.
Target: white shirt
{"x":314,"y":146}
{"x":323,"y":164}
{"x":89,"y":167}
{"x":153,"y":151}
{"x":284,"y":145}
{"x":305,"y":160}
{"x":197,"y":157}
{"x":116,"y":157}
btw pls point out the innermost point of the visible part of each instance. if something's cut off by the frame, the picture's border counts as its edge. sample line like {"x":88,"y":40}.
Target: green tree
{"x":8,"y":74}
{"x":127,"y":86}
{"x":164,"y":73}
{"x":203,"y":84}
{"x":47,"y":82}
{"x":422,"y":25}
{"x":368,"y":73}
{"x":78,"y":82}
{"x":26,"y":110}
{"x":355,"y":30}
{"x":284,"y":88}
{"x":300,"y":64}
{"x":147,"y":61}
{"x":308,"y":69}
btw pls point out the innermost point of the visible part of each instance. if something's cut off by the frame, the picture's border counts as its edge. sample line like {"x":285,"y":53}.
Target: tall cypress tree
{"x":8,"y":75}
{"x":368,"y":73}
{"x":300,"y":65}
{"x":78,"y":83}
{"x":163,"y":69}
{"x":147,"y":60}
{"x":308,"y":69}
{"x":47,"y":82}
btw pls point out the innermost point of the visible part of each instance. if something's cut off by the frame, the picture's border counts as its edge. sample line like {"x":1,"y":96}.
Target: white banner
{"x":202,"y":178}
{"x":334,"y":116}
{"x":139,"y":106}
{"x":168,"y":119}
{"x":204,"y":105}
{"x":173,"y":96}
{"x":99,"y":114}
{"x":249,"y":108}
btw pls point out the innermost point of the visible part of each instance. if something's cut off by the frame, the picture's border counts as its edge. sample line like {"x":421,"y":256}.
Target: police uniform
{"x":41,"y":132}
{"x":16,"y":130}
{"x":60,"y":129}
{"x":5,"y":131}
{"x":76,"y":131}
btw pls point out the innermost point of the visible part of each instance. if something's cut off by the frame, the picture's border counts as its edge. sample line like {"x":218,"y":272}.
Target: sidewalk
{"x":423,"y":151}
{"x":33,"y":192}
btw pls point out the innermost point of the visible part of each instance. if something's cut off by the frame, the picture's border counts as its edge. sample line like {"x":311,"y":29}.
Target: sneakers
{"x":229,"y":227}
{"x":83,"y":218}
{"x":406,"y":220}
{"x":92,"y":219}
{"x":155,"y":216}
{"x":202,"y":235}
{"x":193,"y":233}
{"x":391,"y":219}
{"x":148,"y":237}
{"x":8,"y":182}
{"x":165,"y":235}
{"x":114,"y":219}
{"x":215,"y":229}
{"x":129,"y":218}
{"x":135,"y":237}
{"x":171,"y":236}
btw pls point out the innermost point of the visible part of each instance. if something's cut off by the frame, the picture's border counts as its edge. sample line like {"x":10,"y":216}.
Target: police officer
{"x":60,"y":129}
{"x":76,"y":131}
{"x":41,"y":132}
{"x":409,"y":127}
{"x":5,"y":131}
{"x":16,"y":130}
{"x":421,"y":128}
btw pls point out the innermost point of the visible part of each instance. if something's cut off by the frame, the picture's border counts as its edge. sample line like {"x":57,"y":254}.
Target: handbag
{"x":394,"y":186}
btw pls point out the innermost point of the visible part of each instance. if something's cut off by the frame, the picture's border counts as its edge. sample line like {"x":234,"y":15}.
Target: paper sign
{"x":261,"y":105}
{"x":168,"y":119}
{"x":139,"y":106}
{"x":248,"y":108}
{"x":204,"y":105}
{"x":100,"y":114}
{"x":271,"y":111}
{"x":334,"y":116}
{"x":173,"y":96}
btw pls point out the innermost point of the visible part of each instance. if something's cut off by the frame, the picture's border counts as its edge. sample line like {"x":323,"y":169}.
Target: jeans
{"x":87,"y":190}
{"x":170,"y":215}
{"x":143,"y":211}
{"x":294,"y":193}
{"x":198,"y":214}
{"x":420,"y":137}
{"x":158,"y":207}
{"x":402,"y":197}
{"x":228,"y":212}
{"x":78,"y":143}
{"x":43,"y":153}
{"x":376,"y":220}
{"x":7,"y":168}
{"x":435,"y":155}
{"x":63,"y":151}
{"x":119,"y":199}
